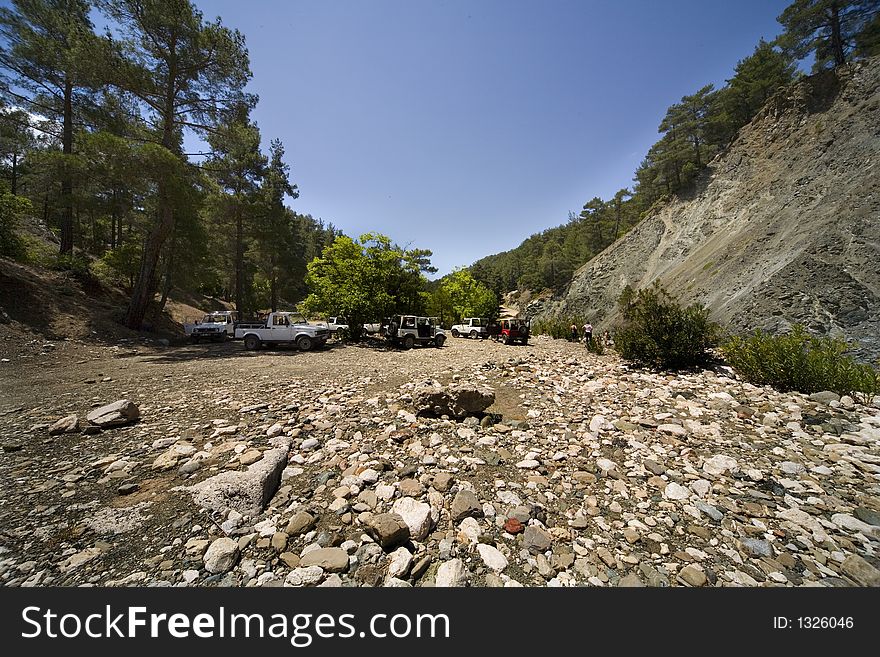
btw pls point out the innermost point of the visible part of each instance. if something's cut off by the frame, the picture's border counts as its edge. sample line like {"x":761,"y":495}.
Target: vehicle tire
{"x":304,"y":343}
{"x":455,"y":333}
{"x":252,"y":342}
{"x":408,"y":341}
{"x":439,"y":340}
{"x":525,"y":341}
{"x":473,"y":334}
{"x":505,"y":340}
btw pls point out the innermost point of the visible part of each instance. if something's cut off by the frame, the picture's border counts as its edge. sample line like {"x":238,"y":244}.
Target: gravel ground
{"x":287,"y":468}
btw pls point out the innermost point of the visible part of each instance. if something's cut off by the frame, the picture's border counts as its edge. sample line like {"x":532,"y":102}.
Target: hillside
{"x":786,"y":228}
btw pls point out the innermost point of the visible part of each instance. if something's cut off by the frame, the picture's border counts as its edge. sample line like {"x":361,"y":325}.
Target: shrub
{"x":802,"y":362}
{"x":558,"y":327}
{"x":658,"y":332}
{"x":12,"y":209}
{"x":596,"y":346}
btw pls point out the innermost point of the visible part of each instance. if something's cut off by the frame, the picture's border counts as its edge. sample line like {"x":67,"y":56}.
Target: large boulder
{"x":117,"y":414}
{"x":246,"y":491}
{"x":457,"y":400}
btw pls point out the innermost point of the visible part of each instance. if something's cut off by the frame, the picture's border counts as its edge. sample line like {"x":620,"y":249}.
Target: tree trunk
{"x":166,"y":285}
{"x":617,"y":224}
{"x":66,"y":181}
{"x":239,"y":259}
{"x":14,"y":174}
{"x":273,"y":286}
{"x":145,"y":285}
{"x":836,"y":40}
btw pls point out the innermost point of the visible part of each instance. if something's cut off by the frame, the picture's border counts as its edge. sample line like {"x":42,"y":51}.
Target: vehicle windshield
{"x":214,"y":319}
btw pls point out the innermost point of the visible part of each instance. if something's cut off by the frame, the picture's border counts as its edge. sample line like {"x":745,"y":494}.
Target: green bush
{"x":596,"y":346}
{"x":558,"y":328}
{"x":12,"y":209}
{"x":658,"y":332}
{"x":802,"y":362}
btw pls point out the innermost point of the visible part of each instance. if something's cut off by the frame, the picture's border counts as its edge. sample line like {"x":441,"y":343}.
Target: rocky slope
{"x":271,"y":469}
{"x":786,"y":228}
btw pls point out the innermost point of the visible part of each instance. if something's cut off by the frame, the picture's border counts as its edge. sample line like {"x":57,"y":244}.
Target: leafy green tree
{"x":824,"y":28}
{"x":366,"y":280}
{"x":16,"y":140}
{"x":279,"y":249}
{"x":237,"y":166}
{"x":868,"y":40}
{"x":460,"y":295}
{"x":12,"y":209}
{"x":52,"y":58}
{"x":185,"y":73}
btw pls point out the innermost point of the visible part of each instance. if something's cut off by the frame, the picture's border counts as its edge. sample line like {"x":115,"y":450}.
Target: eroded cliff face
{"x":785,"y":229}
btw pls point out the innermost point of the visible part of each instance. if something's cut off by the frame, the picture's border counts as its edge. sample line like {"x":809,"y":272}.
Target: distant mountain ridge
{"x":785,"y":230}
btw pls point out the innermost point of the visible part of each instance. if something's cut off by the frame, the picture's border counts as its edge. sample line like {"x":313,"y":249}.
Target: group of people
{"x":586,"y":334}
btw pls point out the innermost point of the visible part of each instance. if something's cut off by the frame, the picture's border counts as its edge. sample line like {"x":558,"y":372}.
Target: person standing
{"x":588,"y":333}
{"x":574,"y":332}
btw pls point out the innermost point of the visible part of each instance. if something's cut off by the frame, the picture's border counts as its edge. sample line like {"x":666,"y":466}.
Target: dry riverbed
{"x":583,"y":472}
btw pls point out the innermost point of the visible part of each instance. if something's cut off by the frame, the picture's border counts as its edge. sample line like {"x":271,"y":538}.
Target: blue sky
{"x":465,"y":126}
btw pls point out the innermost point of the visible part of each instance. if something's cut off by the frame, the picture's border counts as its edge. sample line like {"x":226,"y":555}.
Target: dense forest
{"x":693,"y":131}
{"x":94,"y":129}
{"x":92,"y":144}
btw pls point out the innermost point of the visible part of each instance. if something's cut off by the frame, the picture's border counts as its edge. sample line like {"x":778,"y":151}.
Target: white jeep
{"x":471,"y":327}
{"x":284,"y":328}
{"x":217,"y":326}
{"x":408,"y":330}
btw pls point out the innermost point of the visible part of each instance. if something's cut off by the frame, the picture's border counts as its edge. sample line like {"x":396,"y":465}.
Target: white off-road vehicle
{"x":285,"y":328}
{"x":217,"y":326}
{"x":471,"y":327}
{"x":409,"y":330}
{"x":337,"y":324}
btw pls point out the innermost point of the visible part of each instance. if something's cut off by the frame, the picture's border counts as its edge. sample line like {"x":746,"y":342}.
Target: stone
{"x":246,"y":491}
{"x":719,"y":464}
{"x":825,"y":397}
{"x":388,"y":529}
{"x":442,"y":481}
{"x":672,"y":429}
{"x":221,"y":555}
{"x":452,"y":573}
{"x":674,"y":491}
{"x":692,"y":576}
{"x":119,"y":413}
{"x":492,"y":557}
{"x":411,"y":488}
{"x":456,"y":400}
{"x":416,"y":515}
{"x":306,"y":576}
{"x":867,"y":515}
{"x":536,"y":539}
{"x":300,"y":523}
{"x":128,"y":489}
{"x":513,"y":526}
{"x":332,"y":560}
{"x":464,"y":505}
{"x":756,"y":547}
{"x":69,"y":424}
{"x":399,"y":563}
{"x":862,"y":572}
{"x":631,"y":581}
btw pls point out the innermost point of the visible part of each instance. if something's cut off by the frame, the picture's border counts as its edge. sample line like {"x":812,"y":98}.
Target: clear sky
{"x":464,"y":126}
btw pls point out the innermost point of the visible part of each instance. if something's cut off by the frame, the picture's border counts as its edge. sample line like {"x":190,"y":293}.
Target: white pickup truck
{"x":216,"y":326}
{"x":471,"y":327}
{"x":284,"y":328}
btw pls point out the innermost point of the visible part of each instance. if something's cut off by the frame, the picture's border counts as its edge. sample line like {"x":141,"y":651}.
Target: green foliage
{"x":827,"y":29}
{"x":596,"y":346}
{"x":12,"y":209}
{"x":459,"y":295}
{"x":558,"y":328}
{"x":802,"y":362}
{"x":118,"y":266}
{"x":366,"y":280}
{"x":658,"y":332}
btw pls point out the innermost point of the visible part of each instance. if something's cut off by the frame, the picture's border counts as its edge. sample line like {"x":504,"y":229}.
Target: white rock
{"x":221,"y":555}
{"x":304,"y":576}
{"x":492,"y":557}
{"x":606,"y":465}
{"x":369,"y":476}
{"x":674,"y":491}
{"x":416,"y":515}
{"x":528,"y":464}
{"x":719,"y":464}
{"x":451,"y":573}
{"x":400,"y":562}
